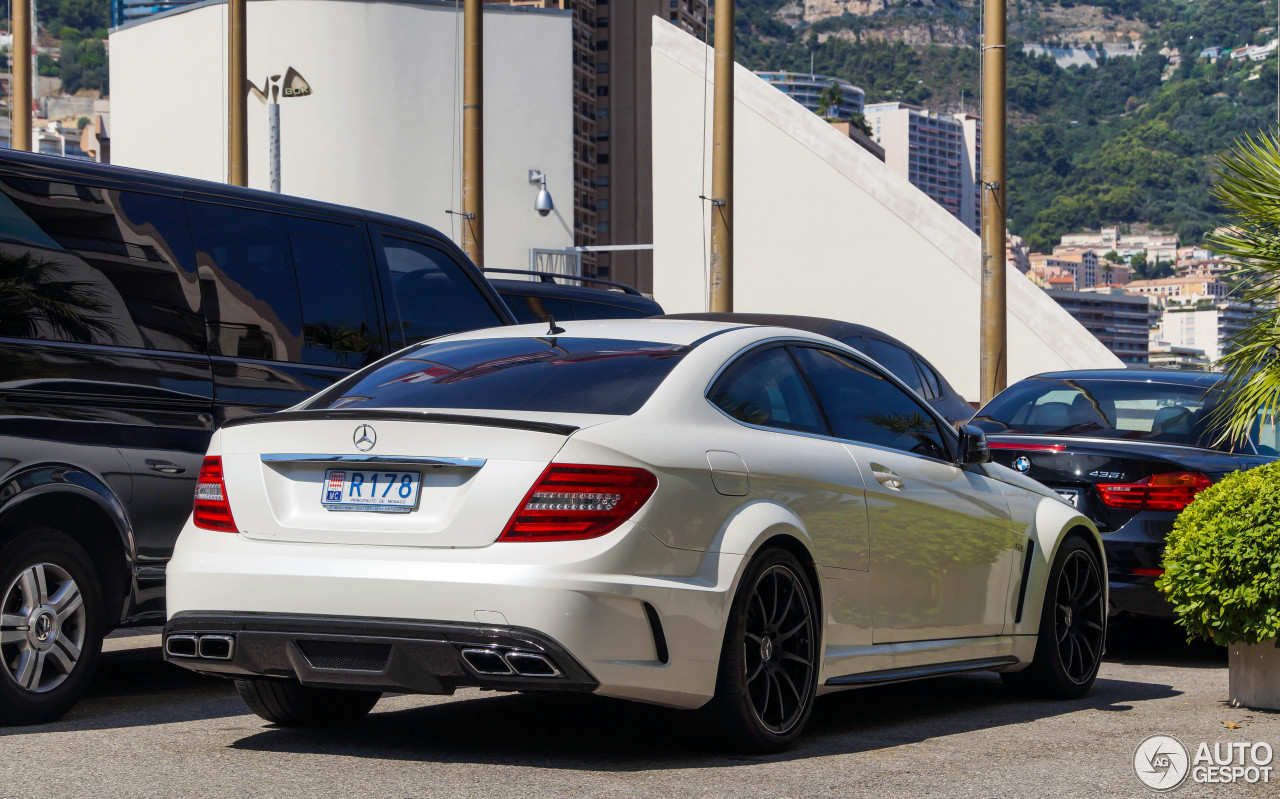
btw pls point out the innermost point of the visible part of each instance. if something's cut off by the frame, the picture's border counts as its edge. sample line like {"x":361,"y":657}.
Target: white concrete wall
{"x":823,"y":228}
{"x":380,"y":130}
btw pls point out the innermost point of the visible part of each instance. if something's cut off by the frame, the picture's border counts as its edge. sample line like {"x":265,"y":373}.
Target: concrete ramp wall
{"x":823,"y":228}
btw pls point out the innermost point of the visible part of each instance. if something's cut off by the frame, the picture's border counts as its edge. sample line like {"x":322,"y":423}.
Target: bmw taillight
{"x":572,"y":502}
{"x":212,"y":509}
{"x":1168,"y":491}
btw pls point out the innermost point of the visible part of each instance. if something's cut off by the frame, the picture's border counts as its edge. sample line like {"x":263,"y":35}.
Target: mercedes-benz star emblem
{"x":1022,"y":463}
{"x":365,"y":438}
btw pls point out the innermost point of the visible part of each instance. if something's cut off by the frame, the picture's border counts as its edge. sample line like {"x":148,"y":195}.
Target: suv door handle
{"x":164,"y":467}
{"x":887,"y":477}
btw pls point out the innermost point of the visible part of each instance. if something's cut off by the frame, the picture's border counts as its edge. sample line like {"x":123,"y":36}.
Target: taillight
{"x":571,"y":502}
{"x":212,"y":510}
{"x":1169,"y":491}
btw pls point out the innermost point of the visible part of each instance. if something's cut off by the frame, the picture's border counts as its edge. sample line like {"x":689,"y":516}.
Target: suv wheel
{"x":51,"y":625}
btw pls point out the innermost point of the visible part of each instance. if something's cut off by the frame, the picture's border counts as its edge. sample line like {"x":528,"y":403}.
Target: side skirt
{"x":887,"y":676}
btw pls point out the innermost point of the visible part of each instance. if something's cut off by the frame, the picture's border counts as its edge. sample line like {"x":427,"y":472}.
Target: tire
{"x":292,"y":704}
{"x":770,"y":657}
{"x":52,"y":625}
{"x":1073,"y":628}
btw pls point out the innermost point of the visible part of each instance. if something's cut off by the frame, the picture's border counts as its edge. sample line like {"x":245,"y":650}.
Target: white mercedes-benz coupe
{"x":693,"y":514}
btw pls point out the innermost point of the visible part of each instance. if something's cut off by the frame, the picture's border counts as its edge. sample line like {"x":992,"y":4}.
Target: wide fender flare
{"x":1052,"y":522}
{"x":42,"y":480}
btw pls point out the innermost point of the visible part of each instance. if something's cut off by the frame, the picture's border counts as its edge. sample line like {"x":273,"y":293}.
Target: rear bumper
{"x":372,"y":654}
{"x":1133,"y":552}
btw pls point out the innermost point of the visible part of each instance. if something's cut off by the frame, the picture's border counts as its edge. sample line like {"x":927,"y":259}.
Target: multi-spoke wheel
{"x":50,"y":625}
{"x":769,"y":663}
{"x":1073,"y":627}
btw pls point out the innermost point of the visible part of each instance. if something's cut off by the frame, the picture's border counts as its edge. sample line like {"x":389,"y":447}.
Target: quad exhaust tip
{"x":494,"y":663}
{"x":206,"y":647}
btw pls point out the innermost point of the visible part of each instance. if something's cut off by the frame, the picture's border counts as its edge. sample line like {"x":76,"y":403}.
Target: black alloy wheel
{"x":1081,"y":617}
{"x":769,"y":662}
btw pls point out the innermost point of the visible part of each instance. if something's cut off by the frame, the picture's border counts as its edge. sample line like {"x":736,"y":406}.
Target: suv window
{"x":561,"y":374}
{"x":284,"y":288}
{"x":604,"y":310}
{"x":764,"y":388}
{"x":865,"y":407}
{"x":97,"y":266}
{"x":432,"y":292}
{"x":530,"y":308}
{"x":899,"y":361}
{"x":932,"y":383}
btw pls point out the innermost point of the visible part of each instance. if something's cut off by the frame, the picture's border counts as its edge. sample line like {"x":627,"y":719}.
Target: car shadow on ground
{"x":593,"y":733}
{"x":135,"y":687}
{"x":1136,"y":640}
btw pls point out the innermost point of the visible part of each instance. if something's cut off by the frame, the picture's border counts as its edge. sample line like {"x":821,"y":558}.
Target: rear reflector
{"x":571,"y":502}
{"x":212,"y":510}
{"x":1147,"y":572}
{"x":1169,"y":491}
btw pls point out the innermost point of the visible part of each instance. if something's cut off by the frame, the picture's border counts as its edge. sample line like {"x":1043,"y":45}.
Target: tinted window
{"x":569,"y":375}
{"x":530,"y":309}
{"x":897,"y":360}
{"x":339,"y":316}
{"x":433,"y":294}
{"x":99,"y":266}
{"x":765,"y":388}
{"x":863,"y":406}
{"x":856,"y":342}
{"x":285,"y":288}
{"x":932,"y":385}
{"x":601,"y":310}
{"x":1100,"y":408}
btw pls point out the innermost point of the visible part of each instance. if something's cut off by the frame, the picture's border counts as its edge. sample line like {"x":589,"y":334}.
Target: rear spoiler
{"x":356,"y":414}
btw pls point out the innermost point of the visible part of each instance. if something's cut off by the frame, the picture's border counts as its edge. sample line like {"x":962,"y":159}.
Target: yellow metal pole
{"x":237,"y":96}
{"x":722,"y":163}
{"x":20,"y":101}
{"x":994,"y":376}
{"x":473,"y":131}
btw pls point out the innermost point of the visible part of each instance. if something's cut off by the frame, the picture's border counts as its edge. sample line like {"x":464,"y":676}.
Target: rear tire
{"x":1073,"y":628}
{"x":292,"y":704}
{"x":769,"y":660}
{"x":52,"y":625}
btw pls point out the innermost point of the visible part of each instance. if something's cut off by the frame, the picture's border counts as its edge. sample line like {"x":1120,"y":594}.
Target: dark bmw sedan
{"x":1129,"y":447}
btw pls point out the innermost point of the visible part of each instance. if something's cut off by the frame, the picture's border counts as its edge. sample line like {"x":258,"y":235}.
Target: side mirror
{"x":973,"y":445}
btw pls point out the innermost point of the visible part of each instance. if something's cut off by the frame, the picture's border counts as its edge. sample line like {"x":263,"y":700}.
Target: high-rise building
{"x":1120,"y":321}
{"x":939,"y":153}
{"x":1209,"y":328}
{"x":613,"y":169}
{"x":806,"y":89}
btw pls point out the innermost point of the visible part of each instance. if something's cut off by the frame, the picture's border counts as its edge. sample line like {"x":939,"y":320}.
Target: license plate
{"x":382,"y":492}
{"x":1070,"y":495}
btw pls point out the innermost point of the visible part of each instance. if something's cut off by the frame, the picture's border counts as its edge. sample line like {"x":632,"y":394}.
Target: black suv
{"x":543,"y":299}
{"x":138,"y":312}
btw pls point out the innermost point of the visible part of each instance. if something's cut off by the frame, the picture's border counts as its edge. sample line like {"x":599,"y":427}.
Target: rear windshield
{"x":567,"y":375}
{"x":1100,"y":408}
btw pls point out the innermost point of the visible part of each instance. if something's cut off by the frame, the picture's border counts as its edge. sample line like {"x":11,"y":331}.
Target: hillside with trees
{"x":1130,"y":141}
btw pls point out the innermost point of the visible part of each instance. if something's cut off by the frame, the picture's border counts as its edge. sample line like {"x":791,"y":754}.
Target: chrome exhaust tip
{"x":528,"y":664}
{"x":486,"y":661}
{"x":180,"y":646}
{"x":216,"y":647}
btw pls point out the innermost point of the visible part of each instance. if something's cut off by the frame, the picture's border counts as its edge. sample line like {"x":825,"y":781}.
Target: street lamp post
{"x":994,"y":324}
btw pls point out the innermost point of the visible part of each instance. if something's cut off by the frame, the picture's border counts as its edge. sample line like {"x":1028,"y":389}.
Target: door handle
{"x":887,"y":477}
{"x":164,"y":467}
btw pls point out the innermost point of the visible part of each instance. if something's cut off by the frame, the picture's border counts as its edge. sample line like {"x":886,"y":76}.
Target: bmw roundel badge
{"x":1022,"y":463}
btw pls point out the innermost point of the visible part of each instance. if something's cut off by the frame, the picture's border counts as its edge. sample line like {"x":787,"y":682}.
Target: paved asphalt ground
{"x":152,"y":730}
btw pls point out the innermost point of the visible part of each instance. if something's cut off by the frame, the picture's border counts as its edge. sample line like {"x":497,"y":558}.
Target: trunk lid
{"x":473,"y":473}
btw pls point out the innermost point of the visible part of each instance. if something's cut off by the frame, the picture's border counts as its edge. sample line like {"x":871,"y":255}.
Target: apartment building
{"x":1119,"y":320}
{"x":1156,"y":247}
{"x":1208,"y":329}
{"x":1180,"y":290}
{"x":807,"y":88}
{"x":938,"y":153}
{"x":1083,"y":265}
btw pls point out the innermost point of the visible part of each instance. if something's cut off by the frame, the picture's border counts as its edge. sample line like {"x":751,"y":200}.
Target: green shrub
{"x":1222,"y":560}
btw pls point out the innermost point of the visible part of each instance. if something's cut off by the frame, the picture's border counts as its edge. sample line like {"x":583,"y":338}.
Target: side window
{"x":898,"y":361}
{"x":932,"y":385}
{"x":285,"y":288}
{"x":529,"y":309}
{"x":856,"y":342}
{"x":601,"y":310}
{"x":97,"y":266}
{"x":765,"y":388}
{"x":432,"y":292}
{"x":863,"y":406}
{"x":339,"y":315}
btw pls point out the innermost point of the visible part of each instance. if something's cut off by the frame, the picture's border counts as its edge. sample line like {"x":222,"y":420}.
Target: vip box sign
{"x":381,"y":492}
